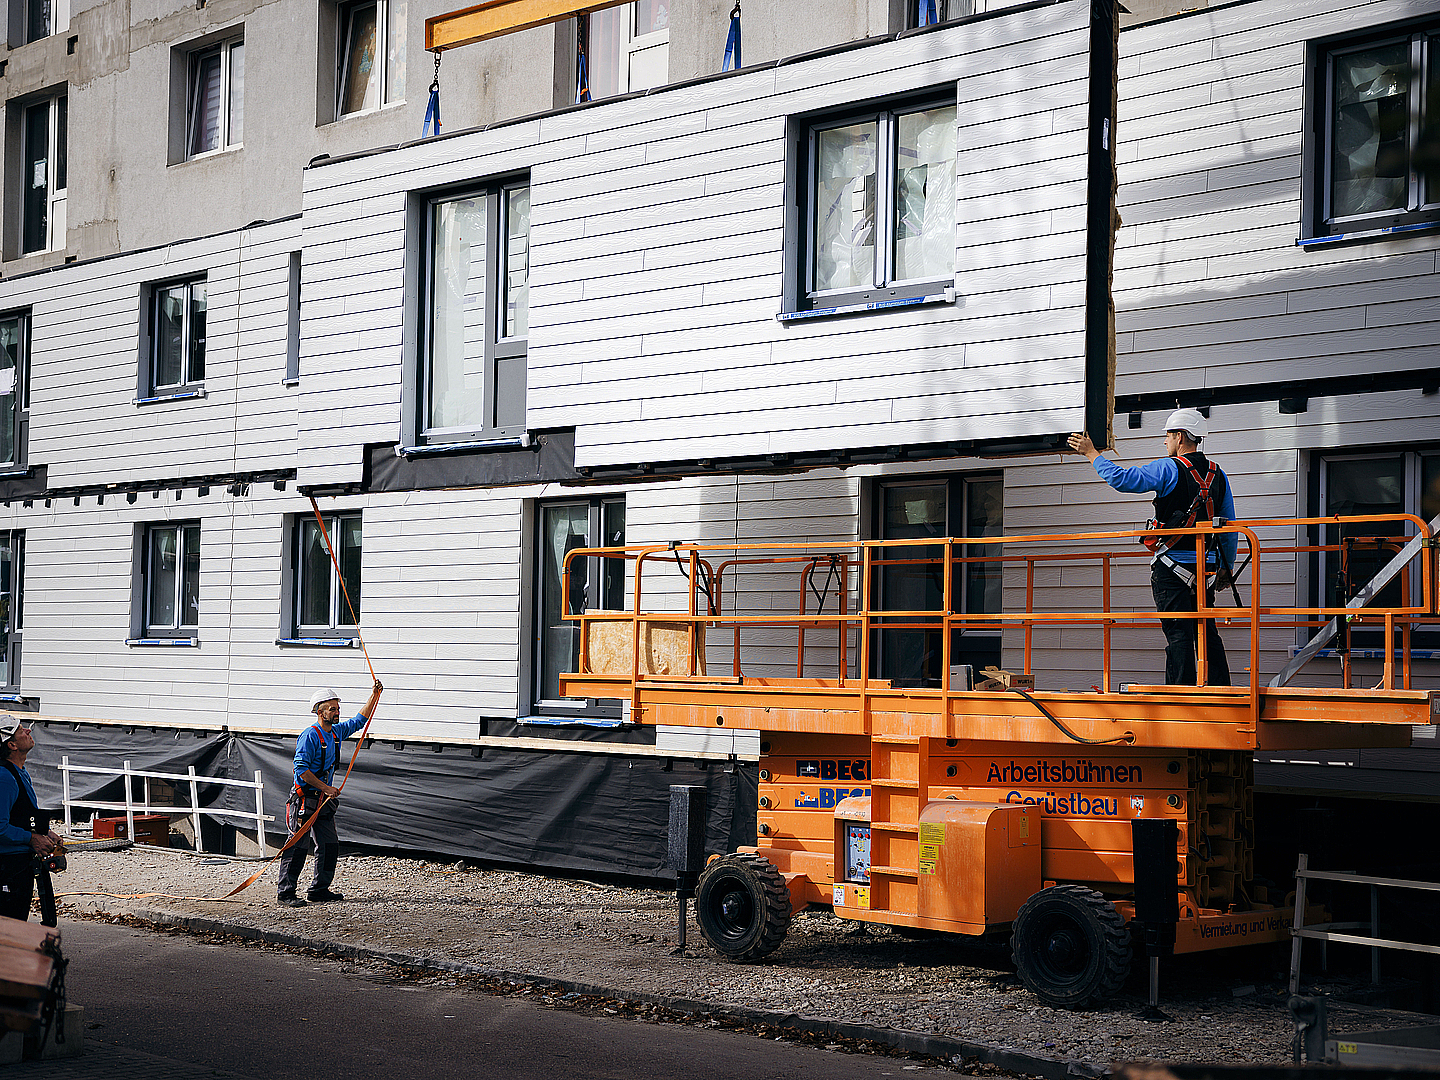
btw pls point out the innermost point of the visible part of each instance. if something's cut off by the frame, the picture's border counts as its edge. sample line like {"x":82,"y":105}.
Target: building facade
{"x":838,"y":294}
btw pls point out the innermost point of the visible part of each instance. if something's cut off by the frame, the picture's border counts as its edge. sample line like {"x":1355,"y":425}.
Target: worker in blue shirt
{"x":317,"y":756}
{"x":1188,"y":488}
{"x":20,"y":842}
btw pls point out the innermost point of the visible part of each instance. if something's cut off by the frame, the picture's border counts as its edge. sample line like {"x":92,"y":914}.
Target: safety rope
{"x":732,"y":59}
{"x":1128,"y":738}
{"x":305,"y":827}
{"x":432,"y":110}
{"x":702,"y":575}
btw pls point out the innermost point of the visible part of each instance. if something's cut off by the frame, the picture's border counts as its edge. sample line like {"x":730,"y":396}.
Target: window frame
{"x":801,"y":296}
{"x":509,"y":352}
{"x":180,"y":629}
{"x":335,"y":628}
{"x":917,"y":11}
{"x":21,"y":404}
{"x":56,"y":187}
{"x":229,"y":139}
{"x":1318,"y":224}
{"x":192,"y":383}
{"x":385,"y":11}
{"x":959,"y":495}
{"x":12,"y":619}
{"x":627,"y":48}
{"x":597,"y":519}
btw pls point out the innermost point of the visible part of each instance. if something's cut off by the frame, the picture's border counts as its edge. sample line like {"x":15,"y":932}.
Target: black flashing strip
{"x":270,"y":476}
{"x":1100,"y":221}
{"x":152,"y":247}
{"x":1423,"y":379}
{"x":538,"y":457}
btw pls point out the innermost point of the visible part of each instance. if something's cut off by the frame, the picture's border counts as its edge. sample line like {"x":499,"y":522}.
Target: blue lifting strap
{"x":432,"y":110}
{"x":732,"y":43}
{"x":928,"y":15}
{"x":582,"y":80}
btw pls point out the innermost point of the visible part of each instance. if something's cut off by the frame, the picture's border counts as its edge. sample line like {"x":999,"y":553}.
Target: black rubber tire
{"x":1071,"y":946}
{"x":743,"y":906}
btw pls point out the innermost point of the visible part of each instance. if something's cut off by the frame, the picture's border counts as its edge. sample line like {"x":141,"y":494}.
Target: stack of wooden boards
{"x":32,"y":976}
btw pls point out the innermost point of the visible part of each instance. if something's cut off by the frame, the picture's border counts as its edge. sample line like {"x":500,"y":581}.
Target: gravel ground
{"x":1226,"y":1008}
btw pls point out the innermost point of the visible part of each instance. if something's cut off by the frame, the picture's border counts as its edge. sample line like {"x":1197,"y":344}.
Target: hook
{"x":735,"y":11}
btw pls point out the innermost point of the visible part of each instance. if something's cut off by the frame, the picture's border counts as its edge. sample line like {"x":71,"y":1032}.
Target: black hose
{"x":1128,"y":737}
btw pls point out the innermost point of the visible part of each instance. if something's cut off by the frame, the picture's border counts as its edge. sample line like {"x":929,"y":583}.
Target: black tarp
{"x":560,"y":811}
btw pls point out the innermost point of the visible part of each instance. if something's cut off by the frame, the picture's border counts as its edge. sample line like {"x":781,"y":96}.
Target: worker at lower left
{"x":20,"y":844}
{"x":317,"y":756}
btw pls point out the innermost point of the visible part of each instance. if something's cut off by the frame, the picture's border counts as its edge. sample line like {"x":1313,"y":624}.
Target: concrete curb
{"x":915,"y":1042}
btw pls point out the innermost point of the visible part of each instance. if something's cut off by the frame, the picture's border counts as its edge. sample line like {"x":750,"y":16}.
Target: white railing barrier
{"x":193,"y":811}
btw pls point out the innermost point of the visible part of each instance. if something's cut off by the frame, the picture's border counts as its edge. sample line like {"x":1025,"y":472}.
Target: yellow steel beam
{"x":498,"y":17}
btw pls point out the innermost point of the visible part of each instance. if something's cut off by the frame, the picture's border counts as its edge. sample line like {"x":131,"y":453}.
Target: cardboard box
{"x":149,"y":829}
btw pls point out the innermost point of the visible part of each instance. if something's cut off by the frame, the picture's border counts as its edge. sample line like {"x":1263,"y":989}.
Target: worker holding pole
{"x":317,"y":756}
{"x":1188,"y":488}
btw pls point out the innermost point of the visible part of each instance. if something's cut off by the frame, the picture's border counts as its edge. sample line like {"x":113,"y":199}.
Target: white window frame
{"x":384,"y":12}
{"x":632,"y":44}
{"x":12,"y":617}
{"x":178,"y":627}
{"x":338,"y":624}
{"x":55,"y":195}
{"x":229,"y":140}
{"x":20,"y":406}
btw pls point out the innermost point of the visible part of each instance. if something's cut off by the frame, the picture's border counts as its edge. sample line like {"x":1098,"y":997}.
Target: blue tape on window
{"x":1367,"y":234}
{"x":874,"y":305}
{"x":183,"y":396}
{"x":1373,"y":654}
{"x":12,"y":699}
{"x":181,"y":641}
{"x":571,"y":721}
{"x":330,"y":643}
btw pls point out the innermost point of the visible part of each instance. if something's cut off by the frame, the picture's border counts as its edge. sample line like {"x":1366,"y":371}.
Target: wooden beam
{"x":496,"y":18}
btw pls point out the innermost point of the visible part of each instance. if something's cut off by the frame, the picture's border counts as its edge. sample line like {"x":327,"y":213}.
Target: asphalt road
{"x":168,"y":1007}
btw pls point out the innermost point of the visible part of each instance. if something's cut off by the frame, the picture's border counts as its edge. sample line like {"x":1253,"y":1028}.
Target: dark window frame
{"x":180,"y":628}
{"x":20,"y":418}
{"x":193,"y":381}
{"x":293,"y":591}
{"x":55,"y":191}
{"x":917,"y":12}
{"x":598,"y":519}
{"x":12,"y":618}
{"x":1318,"y":223}
{"x":496,"y":421}
{"x":802,"y":165}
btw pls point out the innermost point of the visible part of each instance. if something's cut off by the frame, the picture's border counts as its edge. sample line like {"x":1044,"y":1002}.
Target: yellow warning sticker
{"x":1024,"y":826}
{"x":932,"y":832}
{"x":927,"y":866}
{"x":1347,"y":1048}
{"x":929,"y":852}
{"x":862,"y":896}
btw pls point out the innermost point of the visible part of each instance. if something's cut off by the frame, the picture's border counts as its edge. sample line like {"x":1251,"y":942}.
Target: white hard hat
{"x":1189,"y":421}
{"x":319,"y":697}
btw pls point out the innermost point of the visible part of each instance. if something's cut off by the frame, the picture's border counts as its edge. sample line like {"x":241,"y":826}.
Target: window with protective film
{"x":327,"y":596}
{"x":1375,"y":152}
{"x":475,"y":314}
{"x":621,"y":49}
{"x":14,"y":390}
{"x":880,"y":191}
{"x":171,"y":568}
{"x":371,"y":60}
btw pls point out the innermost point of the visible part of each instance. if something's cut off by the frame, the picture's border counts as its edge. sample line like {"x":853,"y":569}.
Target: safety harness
{"x":1204,"y":498}
{"x":328,"y":767}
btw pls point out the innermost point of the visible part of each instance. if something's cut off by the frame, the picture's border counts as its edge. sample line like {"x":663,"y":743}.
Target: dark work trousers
{"x":17,"y":883}
{"x":1172,"y":594}
{"x":322,"y":838}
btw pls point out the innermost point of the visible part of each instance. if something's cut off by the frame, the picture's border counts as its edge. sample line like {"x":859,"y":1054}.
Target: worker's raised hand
{"x":378,"y":688}
{"x":1081,"y":444}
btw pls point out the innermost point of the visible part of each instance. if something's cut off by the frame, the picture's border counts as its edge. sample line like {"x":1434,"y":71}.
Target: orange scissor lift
{"x":998,"y":809}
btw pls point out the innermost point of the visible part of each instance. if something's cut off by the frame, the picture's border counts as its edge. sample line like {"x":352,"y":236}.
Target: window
{"x":32,"y":20}
{"x":12,"y":606}
{"x":879,"y":218}
{"x":320,"y":596}
{"x":172,"y":580}
{"x":174,"y":344}
{"x":911,"y":578}
{"x":14,"y":390}
{"x":930,"y":12}
{"x":371,"y":69}
{"x":475,"y":315}
{"x":1376,"y":159}
{"x":622,"y":49}
{"x":292,"y":321}
{"x":595,"y":583}
{"x":215,"y":99}
{"x":43,"y":180}
{"x":1393,"y":482}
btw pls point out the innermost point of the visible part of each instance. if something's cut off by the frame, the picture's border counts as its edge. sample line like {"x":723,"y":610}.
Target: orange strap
{"x":300,"y":833}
